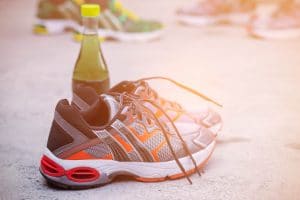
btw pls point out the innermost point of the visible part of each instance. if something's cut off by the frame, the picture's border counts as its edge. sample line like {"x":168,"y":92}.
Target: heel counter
{"x":68,"y":129}
{"x":57,"y":137}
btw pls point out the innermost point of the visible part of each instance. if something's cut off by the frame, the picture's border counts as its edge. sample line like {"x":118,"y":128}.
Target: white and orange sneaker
{"x":282,"y":24}
{"x":210,"y":12}
{"x":119,"y":135}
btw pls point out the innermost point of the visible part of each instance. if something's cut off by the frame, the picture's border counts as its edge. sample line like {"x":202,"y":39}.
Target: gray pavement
{"x":258,"y":153}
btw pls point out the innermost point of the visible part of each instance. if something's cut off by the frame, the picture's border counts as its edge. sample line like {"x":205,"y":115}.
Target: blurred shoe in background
{"x":115,"y":21}
{"x":281,"y":24}
{"x":210,"y":12}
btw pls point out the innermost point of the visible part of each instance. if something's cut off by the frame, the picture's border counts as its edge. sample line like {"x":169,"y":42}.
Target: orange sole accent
{"x":150,"y":179}
{"x":81,"y":155}
{"x":126,"y":146}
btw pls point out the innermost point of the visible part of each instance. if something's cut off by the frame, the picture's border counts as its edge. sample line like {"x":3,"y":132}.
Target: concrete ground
{"x":258,"y":153}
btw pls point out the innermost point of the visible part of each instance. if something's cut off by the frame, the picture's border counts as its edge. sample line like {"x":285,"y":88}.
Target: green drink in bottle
{"x":90,"y":68}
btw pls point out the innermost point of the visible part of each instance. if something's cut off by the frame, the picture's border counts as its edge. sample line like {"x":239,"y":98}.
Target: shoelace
{"x":116,"y":6}
{"x":176,"y":131}
{"x":181,"y":86}
{"x":175,"y":105}
{"x":151,"y":93}
{"x":136,"y":103}
{"x":136,"y":100}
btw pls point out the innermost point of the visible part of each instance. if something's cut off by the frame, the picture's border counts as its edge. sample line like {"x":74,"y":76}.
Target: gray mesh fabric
{"x":139,"y":128}
{"x":134,"y":157}
{"x":177,"y":146}
{"x":153,"y":142}
{"x":165,"y":153}
{"x":98,"y":151}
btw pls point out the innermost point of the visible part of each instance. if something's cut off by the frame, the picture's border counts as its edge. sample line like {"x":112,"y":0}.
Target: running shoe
{"x":90,"y":148}
{"x":211,"y":12}
{"x":282,"y":24}
{"x":115,"y":22}
{"x":84,"y":97}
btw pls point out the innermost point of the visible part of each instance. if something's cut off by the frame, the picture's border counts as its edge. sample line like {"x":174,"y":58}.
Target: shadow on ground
{"x":232,"y":140}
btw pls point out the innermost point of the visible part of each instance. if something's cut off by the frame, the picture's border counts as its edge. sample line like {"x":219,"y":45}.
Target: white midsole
{"x":276,"y":34}
{"x":58,"y":26}
{"x":234,"y":18}
{"x":127,"y":36}
{"x":141,"y":169}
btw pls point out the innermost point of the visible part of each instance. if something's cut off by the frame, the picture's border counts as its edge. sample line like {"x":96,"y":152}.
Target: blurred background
{"x":257,"y":81}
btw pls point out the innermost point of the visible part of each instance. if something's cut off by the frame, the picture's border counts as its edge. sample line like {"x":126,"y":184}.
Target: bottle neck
{"x":90,"y":25}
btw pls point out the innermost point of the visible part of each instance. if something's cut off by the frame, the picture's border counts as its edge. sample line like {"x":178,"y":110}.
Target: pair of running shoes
{"x":281,"y":23}
{"x":119,"y":23}
{"x":129,"y":130}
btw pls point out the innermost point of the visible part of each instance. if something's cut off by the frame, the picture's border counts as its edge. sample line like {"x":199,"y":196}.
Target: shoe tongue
{"x":112,"y":105}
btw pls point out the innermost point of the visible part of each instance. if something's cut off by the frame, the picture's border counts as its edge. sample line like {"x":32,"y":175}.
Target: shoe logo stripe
{"x":141,"y":149}
{"x":118,"y":151}
{"x":130,"y":148}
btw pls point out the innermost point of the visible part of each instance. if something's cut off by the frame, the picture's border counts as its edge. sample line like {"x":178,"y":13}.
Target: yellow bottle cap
{"x":90,"y":10}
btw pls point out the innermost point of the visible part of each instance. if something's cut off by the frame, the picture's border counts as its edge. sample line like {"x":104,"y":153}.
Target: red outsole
{"x":51,"y":168}
{"x":77,"y":174}
{"x":82,"y":174}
